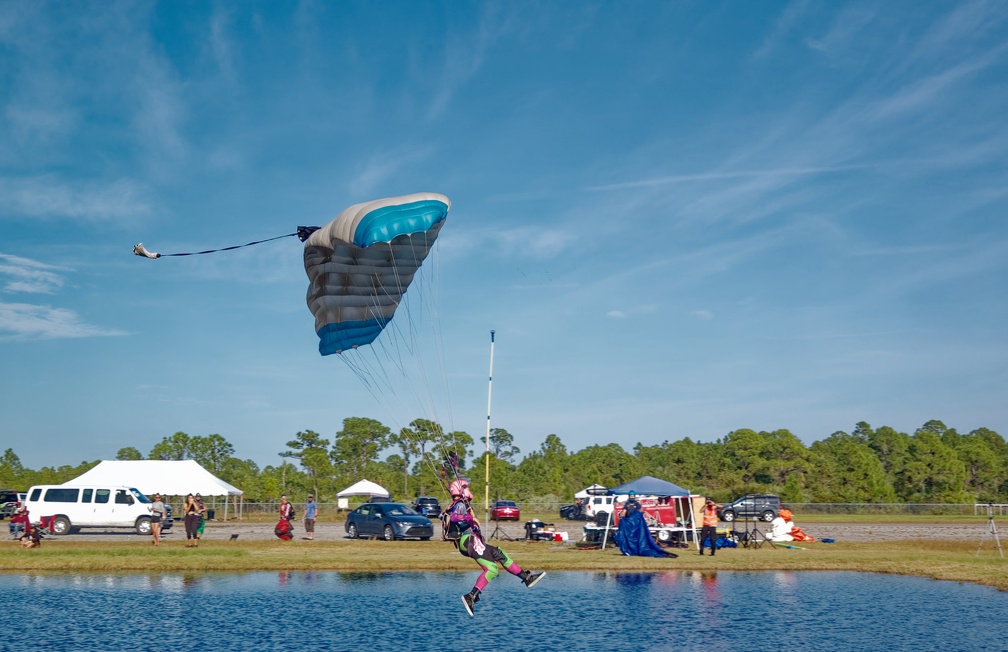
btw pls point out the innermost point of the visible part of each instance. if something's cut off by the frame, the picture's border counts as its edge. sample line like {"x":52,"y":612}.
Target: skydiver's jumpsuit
{"x":471,"y":544}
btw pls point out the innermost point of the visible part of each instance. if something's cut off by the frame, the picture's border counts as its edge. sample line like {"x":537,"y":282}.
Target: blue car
{"x":389,"y":521}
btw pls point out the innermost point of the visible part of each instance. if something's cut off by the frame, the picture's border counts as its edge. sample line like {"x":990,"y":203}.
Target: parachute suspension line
{"x":486,"y":497}
{"x":139,"y":249}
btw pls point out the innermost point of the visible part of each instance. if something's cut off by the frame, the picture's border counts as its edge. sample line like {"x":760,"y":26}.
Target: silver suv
{"x":762,"y":506}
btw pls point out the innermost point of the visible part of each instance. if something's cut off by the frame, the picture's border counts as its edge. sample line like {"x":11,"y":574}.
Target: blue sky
{"x":679,"y":218}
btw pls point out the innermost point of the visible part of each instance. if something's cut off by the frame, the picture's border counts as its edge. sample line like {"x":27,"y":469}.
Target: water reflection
{"x":567,"y":611}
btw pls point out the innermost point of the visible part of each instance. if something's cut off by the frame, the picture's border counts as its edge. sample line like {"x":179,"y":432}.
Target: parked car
{"x":428,"y":506}
{"x":575,"y":512}
{"x":762,"y":506}
{"x":91,"y":506}
{"x":505,"y":510}
{"x":389,"y":521}
{"x":9,"y":501}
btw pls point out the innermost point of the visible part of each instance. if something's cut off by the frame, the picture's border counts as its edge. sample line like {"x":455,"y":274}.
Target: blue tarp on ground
{"x":647,"y":485}
{"x":634,"y":539}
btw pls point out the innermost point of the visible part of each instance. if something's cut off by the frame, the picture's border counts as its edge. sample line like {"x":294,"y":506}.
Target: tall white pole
{"x":486,"y":494}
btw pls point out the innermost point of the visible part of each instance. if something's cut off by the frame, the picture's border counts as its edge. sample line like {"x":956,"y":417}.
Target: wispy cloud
{"x":29,"y":276}
{"x":49,"y":196}
{"x":673,"y":179}
{"x":22,"y":321}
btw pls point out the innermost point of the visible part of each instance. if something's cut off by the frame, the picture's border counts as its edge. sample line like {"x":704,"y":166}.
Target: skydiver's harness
{"x":455,"y":530}
{"x":469,"y":539}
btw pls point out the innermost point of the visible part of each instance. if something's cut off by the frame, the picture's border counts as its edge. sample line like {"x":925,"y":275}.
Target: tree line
{"x":935,"y":464}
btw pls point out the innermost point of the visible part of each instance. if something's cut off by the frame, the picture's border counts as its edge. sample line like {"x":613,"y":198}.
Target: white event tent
{"x":167,"y":477}
{"x":361,"y":488}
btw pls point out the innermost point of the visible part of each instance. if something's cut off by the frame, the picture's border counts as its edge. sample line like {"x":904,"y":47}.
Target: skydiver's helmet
{"x":460,"y":490}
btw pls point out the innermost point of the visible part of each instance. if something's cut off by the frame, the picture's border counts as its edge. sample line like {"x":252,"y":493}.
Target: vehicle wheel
{"x":61,"y":525}
{"x":352,"y":531}
{"x":768,"y":516}
{"x":728,"y":515}
{"x":664,"y":536}
{"x":389,"y":533}
{"x":143,"y":525}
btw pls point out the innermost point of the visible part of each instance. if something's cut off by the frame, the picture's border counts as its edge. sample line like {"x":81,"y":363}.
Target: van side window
{"x":35,"y":495}
{"x":102,"y":495}
{"x":121,"y":498}
{"x":60,"y":495}
{"x":86,"y":496}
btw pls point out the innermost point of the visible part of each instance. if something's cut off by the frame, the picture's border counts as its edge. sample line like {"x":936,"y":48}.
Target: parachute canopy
{"x":360,"y":265}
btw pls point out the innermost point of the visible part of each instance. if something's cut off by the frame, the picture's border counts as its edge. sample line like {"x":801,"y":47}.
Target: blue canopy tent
{"x":651,"y":486}
{"x":647,"y":485}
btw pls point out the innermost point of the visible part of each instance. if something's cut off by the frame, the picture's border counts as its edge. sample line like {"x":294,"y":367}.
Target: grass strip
{"x":943,"y":560}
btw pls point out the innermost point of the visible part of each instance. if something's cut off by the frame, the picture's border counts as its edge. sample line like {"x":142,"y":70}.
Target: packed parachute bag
{"x":284,"y":530}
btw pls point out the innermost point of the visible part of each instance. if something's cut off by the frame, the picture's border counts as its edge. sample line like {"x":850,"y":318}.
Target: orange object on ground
{"x":798,"y":535}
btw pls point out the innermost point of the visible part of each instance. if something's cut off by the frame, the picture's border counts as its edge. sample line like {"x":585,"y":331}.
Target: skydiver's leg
{"x":528,"y":577}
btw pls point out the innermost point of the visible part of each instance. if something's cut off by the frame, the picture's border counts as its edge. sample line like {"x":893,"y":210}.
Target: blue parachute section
{"x":360,"y":265}
{"x":386,"y":223}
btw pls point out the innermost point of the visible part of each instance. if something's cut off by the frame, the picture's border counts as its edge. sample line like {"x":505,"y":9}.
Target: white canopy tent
{"x":361,"y":488}
{"x":594,"y":490}
{"x":167,"y":477}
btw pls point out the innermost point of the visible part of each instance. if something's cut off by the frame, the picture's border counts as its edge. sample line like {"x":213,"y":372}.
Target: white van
{"x":91,"y":506}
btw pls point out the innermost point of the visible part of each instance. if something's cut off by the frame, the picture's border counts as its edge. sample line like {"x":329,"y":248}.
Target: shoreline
{"x":943,"y":551}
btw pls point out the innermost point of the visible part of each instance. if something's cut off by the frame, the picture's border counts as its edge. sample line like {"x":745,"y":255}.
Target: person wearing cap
{"x":310,"y":512}
{"x":631,"y":505}
{"x":19,"y":522}
{"x":202,"y":516}
{"x":710,"y":522}
{"x":158,"y":511}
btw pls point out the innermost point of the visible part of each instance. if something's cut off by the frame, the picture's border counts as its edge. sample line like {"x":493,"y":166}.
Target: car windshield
{"x":506,"y":503}
{"x":139,"y":496}
{"x":428,"y":501}
{"x":398,"y":510}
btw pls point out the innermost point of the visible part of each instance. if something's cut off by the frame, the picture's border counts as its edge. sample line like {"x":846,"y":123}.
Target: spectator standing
{"x":631,"y":505}
{"x":192,"y":520}
{"x":202,"y":512}
{"x":310,"y":512}
{"x":710,"y":521}
{"x":158,"y":512}
{"x":286,"y":509}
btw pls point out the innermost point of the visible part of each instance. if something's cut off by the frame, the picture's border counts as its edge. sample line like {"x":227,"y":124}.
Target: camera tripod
{"x":754,"y":538}
{"x":498,"y":533}
{"x":991,"y":531}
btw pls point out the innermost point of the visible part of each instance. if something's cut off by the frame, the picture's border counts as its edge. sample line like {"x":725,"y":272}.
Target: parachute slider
{"x":140,"y":251}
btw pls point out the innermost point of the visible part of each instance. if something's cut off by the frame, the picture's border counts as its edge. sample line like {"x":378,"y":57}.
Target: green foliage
{"x":936,"y":464}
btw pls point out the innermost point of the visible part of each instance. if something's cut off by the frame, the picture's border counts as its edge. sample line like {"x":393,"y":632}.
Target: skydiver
{"x":471,"y":544}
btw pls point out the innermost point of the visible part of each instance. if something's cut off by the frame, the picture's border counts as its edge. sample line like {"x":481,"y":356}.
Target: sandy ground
{"x":855,"y":532}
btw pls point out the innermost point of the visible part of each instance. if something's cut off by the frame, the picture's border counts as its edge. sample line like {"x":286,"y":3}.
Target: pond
{"x":567,"y":611}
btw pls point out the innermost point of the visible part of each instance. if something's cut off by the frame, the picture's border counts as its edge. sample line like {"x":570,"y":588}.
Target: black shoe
{"x":531,"y":578}
{"x":712,"y":554}
{"x":470,"y":599}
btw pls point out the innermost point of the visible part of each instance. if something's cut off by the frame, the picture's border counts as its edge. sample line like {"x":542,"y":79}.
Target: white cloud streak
{"x":22,"y":321}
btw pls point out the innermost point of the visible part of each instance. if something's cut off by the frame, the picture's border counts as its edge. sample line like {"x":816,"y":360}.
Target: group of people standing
{"x":194,"y":511}
{"x":287,"y":517}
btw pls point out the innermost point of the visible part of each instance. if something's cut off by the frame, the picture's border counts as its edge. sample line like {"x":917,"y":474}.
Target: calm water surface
{"x":567,"y":611}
